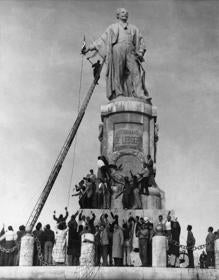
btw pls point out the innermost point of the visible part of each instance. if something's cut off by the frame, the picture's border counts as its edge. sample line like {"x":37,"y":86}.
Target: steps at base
{"x":105,"y":273}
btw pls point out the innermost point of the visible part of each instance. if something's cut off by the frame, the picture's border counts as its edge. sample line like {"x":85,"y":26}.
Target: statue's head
{"x":122,"y":14}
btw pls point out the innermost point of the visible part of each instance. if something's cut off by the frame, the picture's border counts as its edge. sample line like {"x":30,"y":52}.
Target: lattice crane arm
{"x":62,"y":155}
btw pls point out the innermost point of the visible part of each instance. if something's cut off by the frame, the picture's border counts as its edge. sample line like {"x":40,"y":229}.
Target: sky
{"x":40,"y":71}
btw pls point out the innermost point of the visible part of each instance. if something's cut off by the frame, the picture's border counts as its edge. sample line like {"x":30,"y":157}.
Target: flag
{"x":83,"y":48}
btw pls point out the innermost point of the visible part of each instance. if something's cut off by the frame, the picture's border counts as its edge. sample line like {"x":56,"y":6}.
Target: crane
{"x":62,"y":155}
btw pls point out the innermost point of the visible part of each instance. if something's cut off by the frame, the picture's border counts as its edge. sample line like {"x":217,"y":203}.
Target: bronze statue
{"x":123,"y":45}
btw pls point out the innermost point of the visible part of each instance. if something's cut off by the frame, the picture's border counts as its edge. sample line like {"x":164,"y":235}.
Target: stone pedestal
{"x":26,"y":250}
{"x":159,"y":251}
{"x":87,"y":257}
{"x":127,"y":137}
{"x":153,"y":200}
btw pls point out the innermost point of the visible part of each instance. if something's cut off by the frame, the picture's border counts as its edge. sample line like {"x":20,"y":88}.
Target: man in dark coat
{"x":190,"y":246}
{"x":74,"y":244}
{"x":97,"y":246}
{"x":20,"y":233}
{"x":210,"y":247}
{"x":174,"y":244}
{"x":49,"y":240}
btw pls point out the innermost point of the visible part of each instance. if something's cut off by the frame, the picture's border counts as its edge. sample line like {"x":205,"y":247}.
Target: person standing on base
{"x":38,"y":240}
{"x":190,"y":246}
{"x":10,"y":237}
{"x":143,"y":236}
{"x":74,"y":242}
{"x":104,"y":242}
{"x":118,"y":240}
{"x":210,"y":247}
{"x":49,"y":240}
{"x":203,"y":260}
{"x":20,"y":233}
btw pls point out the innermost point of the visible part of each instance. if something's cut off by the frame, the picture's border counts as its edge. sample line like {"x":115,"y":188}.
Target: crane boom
{"x":61,"y":157}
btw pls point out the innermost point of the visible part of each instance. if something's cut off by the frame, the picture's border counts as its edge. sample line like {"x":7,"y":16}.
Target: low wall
{"x":105,"y":273}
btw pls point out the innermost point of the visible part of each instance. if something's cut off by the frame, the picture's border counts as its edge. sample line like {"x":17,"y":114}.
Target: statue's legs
{"x":135,"y":73}
{"x":127,"y":74}
{"x":119,"y":66}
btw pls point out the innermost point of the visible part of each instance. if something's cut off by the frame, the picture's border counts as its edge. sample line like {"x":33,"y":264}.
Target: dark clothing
{"x":48,"y":246}
{"x":61,"y":219}
{"x":96,"y":67}
{"x":104,"y":254}
{"x":210,"y":258}
{"x":151,"y":181}
{"x":105,"y":172}
{"x":143,"y":235}
{"x":175,"y":233}
{"x":74,"y":243}
{"x":203,"y":260}
{"x":190,"y":245}
{"x":126,"y":198}
{"x":150,"y":165}
{"x":143,"y":251}
{"x":48,"y":235}
{"x":91,"y":224}
{"x":138,"y":227}
{"x":191,"y":258}
{"x":210,"y":249}
{"x":74,"y":240}
{"x":117,"y":261}
{"x":9,"y":259}
{"x":20,"y":234}
{"x":110,"y":251}
{"x":97,"y":248}
{"x":190,"y":240}
{"x":151,"y":232}
{"x":38,"y":234}
{"x":49,"y":240}
{"x":126,"y":232}
{"x":144,"y":186}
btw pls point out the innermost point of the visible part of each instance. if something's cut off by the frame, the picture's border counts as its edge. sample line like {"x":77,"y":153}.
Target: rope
{"x":75,"y":142}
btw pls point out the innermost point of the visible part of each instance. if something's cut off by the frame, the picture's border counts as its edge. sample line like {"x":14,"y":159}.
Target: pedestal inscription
{"x":127,"y":136}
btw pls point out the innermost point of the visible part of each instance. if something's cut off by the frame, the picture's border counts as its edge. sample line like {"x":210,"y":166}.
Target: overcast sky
{"x":40,"y":67}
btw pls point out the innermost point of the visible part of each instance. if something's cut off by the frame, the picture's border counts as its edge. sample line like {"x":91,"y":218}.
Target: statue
{"x":123,"y":45}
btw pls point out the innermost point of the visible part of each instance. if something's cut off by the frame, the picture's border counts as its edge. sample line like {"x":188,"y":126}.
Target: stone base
{"x":159,"y":251}
{"x":104,"y":273}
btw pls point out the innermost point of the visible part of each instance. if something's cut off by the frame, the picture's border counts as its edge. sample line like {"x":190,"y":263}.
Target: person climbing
{"x":96,"y":67}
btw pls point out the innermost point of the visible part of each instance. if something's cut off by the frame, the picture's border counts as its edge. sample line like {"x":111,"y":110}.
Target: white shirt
{"x":100,"y":163}
{"x":9,"y":236}
{"x":168,"y":225}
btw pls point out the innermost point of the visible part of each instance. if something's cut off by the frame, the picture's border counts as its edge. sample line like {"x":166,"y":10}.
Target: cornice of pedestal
{"x":128,"y":104}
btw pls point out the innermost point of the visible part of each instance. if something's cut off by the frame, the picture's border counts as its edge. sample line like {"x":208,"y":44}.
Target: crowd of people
{"x":95,"y":191}
{"x":115,"y":242}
